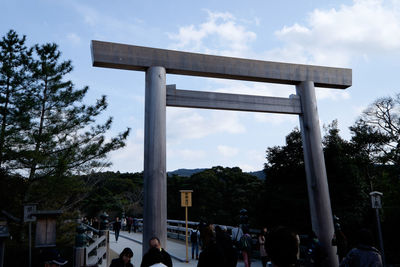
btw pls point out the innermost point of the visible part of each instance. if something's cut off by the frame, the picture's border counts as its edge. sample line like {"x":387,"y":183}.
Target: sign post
{"x":186,"y":201}
{"x":28,"y":210}
{"x":376,"y":203}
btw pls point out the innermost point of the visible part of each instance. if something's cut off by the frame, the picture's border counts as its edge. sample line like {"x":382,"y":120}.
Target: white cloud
{"x":248,"y":168}
{"x":254,"y":88}
{"x":255,"y":157}
{"x":338,"y":35}
{"x":186,"y":154}
{"x":219,"y":34}
{"x":190,"y":124}
{"x":227,"y":151}
{"x":130,"y":158}
{"x":332,"y":94}
{"x":275,"y":118}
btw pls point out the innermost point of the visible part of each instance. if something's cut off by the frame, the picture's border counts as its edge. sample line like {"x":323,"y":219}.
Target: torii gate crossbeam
{"x":158,"y":62}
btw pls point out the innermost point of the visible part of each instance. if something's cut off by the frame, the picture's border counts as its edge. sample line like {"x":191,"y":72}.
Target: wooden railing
{"x":96,"y":251}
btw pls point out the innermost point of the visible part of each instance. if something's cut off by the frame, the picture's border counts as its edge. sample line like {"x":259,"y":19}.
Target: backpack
{"x":245,"y":243}
{"x":193,"y":236}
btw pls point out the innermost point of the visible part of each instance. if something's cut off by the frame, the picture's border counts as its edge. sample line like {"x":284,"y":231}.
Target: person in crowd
{"x":365,"y":254}
{"x":202,"y":225}
{"x":261,"y":242}
{"x":225,"y":245}
{"x":123,"y":224}
{"x":315,"y":255}
{"x":211,"y":255}
{"x":246,"y":247}
{"x":117,"y":228}
{"x":52,"y":258}
{"x":96,"y":223}
{"x":194,"y":239}
{"x":236,"y":235}
{"x":124,"y":259}
{"x":156,"y":255}
{"x":129,"y":222}
{"x":340,"y":241}
{"x":282,"y":247}
{"x":135,"y":225}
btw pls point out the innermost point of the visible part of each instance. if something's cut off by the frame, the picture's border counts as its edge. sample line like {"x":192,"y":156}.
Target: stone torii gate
{"x":157,"y":62}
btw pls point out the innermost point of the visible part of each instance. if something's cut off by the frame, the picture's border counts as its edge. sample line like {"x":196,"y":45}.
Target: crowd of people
{"x":278,"y":248}
{"x":214,"y":245}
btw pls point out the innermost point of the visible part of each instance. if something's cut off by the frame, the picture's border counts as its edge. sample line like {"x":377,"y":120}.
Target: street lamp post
{"x":376,"y":203}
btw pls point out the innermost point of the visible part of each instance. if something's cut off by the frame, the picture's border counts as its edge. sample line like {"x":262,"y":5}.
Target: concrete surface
{"x":175,"y":248}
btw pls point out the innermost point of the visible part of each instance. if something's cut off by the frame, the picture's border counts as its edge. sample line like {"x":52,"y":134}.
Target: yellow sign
{"x":186,"y":198}
{"x":186,"y":201}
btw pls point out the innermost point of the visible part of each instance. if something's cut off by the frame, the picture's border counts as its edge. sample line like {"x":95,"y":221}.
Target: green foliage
{"x":376,"y":136}
{"x":285,"y":198}
{"x":46,"y":129}
{"x":47,"y":133}
{"x":218,"y":195}
{"x":15,"y":77}
{"x":381,"y":123}
{"x":349,"y":191}
{"x":12,"y":191}
{"x":53,"y":192}
{"x":63,"y":138}
{"x":114,"y":193}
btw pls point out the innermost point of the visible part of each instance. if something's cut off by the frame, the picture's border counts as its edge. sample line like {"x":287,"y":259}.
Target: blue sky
{"x":362,"y":34}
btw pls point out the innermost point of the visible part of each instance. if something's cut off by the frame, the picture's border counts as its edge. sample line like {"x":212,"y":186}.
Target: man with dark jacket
{"x":117,"y":228}
{"x":156,"y":254}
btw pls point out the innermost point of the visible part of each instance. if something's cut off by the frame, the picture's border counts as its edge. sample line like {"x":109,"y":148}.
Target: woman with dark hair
{"x":246,"y":247}
{"x":211,"y":255}
{"x":124,"y":259}
{"x":282,"y":246}
{"x":365,"y":254}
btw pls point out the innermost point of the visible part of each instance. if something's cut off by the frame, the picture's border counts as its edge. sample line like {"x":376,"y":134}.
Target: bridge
{"x":103,"y":247}
{"x":176,"y":248}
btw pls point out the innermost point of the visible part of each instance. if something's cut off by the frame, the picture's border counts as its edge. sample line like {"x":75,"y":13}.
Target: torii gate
{"x":157,"y":62}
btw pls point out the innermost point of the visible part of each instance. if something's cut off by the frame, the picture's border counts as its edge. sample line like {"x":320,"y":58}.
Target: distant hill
{"x":190,"y":172}
{"x":185,"y":172}
{"x":258,"y":174}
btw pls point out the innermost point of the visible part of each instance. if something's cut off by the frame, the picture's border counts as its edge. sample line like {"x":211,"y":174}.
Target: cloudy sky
{"x":362,"y":34}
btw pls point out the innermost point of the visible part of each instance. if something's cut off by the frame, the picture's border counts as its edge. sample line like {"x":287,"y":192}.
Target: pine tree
{"x":63,"y":138}
{"x":15,"y":77}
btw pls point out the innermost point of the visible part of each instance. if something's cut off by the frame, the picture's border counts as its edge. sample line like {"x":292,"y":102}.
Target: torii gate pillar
{"x":155,"y":177}
{"x":314,"y":161}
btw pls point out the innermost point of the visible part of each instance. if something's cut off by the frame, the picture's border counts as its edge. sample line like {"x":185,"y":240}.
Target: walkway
{"x":174,"y":247}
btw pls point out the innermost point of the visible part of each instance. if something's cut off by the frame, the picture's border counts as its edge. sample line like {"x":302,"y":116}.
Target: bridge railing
{"x":95,"y":250}
{"x":176,"y":229}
